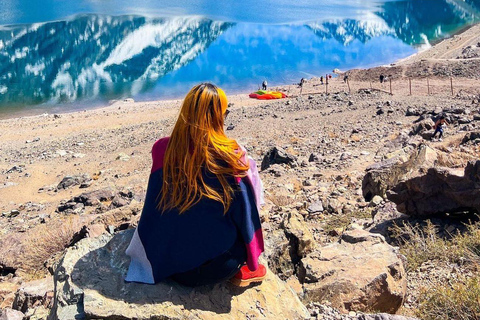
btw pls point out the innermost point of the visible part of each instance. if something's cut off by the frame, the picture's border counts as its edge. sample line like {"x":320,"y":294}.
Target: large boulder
{"x":423,"y":128}
{"x":360,"y":272}
{"x":384,"y":175}
{"x":440,"y":190}
{"x":89,"y":282}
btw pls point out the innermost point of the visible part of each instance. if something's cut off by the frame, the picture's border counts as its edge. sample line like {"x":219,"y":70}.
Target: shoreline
{"x":435,"y":44}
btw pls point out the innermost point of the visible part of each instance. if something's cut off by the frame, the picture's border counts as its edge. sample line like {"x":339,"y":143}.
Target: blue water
{"x":63,"y":55}
{"x":270,"y":11}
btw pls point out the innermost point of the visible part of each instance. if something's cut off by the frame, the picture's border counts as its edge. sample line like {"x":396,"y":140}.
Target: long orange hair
{"x":198,"y":142}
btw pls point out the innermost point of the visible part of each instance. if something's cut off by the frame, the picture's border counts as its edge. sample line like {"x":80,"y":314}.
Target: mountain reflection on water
{"x":92,"y":58}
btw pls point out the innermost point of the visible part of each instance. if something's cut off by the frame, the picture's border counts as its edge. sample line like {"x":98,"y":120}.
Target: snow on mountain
{"x":92,"y":54}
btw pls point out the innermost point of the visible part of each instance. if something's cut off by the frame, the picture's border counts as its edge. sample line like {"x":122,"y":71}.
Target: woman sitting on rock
{"x":200,"y":223}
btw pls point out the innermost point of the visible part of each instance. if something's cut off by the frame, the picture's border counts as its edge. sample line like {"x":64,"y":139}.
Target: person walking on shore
{"x":264,"y":85}
{"x":200,"y":222}
{"x":301,"y":83}
{"x":439,"y":127}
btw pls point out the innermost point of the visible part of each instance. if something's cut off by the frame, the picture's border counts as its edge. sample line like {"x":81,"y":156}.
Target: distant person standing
{"x":382,"y":78}
{"x":321,"y":80}
{"x":264,"y":85}
{"x":302,"y":82}
{"x":345,"y":78}
{"x":439,"y":127}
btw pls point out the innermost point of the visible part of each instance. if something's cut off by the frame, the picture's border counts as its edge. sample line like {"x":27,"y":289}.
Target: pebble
{"x":34,"y":140}
{"x":61,"y":153}
{"x":376,"y":201}
{"x":315,"y":207}
{"x":123,"y":157}
{"x":78,"y":155}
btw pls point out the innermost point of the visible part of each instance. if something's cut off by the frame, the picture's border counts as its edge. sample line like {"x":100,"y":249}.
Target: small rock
{"x":18,"y":169}
{"x":69,"y":181}
{"x":123,"y":157}
{"x":10,"y":314}
{"x":346,"y":156}
{"x":307,"y":183}
{"x":313,"y":157}
{"x":78,"y":155}
{"x":61,"y":153}
{"x":376,"y":201}
{"x":315,"y":207}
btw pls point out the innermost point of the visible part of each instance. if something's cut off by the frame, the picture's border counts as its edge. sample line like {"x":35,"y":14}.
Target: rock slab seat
{"x":90,"y":284}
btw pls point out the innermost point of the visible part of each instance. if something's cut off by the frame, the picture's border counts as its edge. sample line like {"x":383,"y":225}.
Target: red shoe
{"x":244,"y":276}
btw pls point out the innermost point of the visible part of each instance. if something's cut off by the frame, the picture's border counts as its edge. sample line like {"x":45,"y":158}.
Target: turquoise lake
{"x":69,"y":55}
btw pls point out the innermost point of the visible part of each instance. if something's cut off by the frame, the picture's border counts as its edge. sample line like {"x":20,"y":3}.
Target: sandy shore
{"x":447,"y":49}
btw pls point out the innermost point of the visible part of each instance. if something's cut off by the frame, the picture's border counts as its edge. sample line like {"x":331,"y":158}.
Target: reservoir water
{"x":66,"y":55}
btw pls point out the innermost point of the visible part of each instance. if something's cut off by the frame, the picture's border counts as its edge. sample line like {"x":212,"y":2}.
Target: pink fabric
{"x":254,"y":249}
{"x":256,"y":246}
{"x":158,"y":153}
{"x":253,"y":179}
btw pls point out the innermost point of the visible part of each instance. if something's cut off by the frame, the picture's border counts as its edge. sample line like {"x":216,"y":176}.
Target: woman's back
{"x":200,"y":202}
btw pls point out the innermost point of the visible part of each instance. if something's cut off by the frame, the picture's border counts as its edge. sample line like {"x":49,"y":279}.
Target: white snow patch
{"x":426,"y":45}
{"x":63,"y":86}
{"x":36,"y":69}
{"x":150,"y":35}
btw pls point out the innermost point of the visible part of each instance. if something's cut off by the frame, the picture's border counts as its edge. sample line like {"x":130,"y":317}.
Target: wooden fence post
{"x":326,"y":84}
{"x":428,"y":87}
{"x":410,"y":85}
{"x":451,"y":84}
{"x":389,"y":78}
{"x":348,"y":84}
